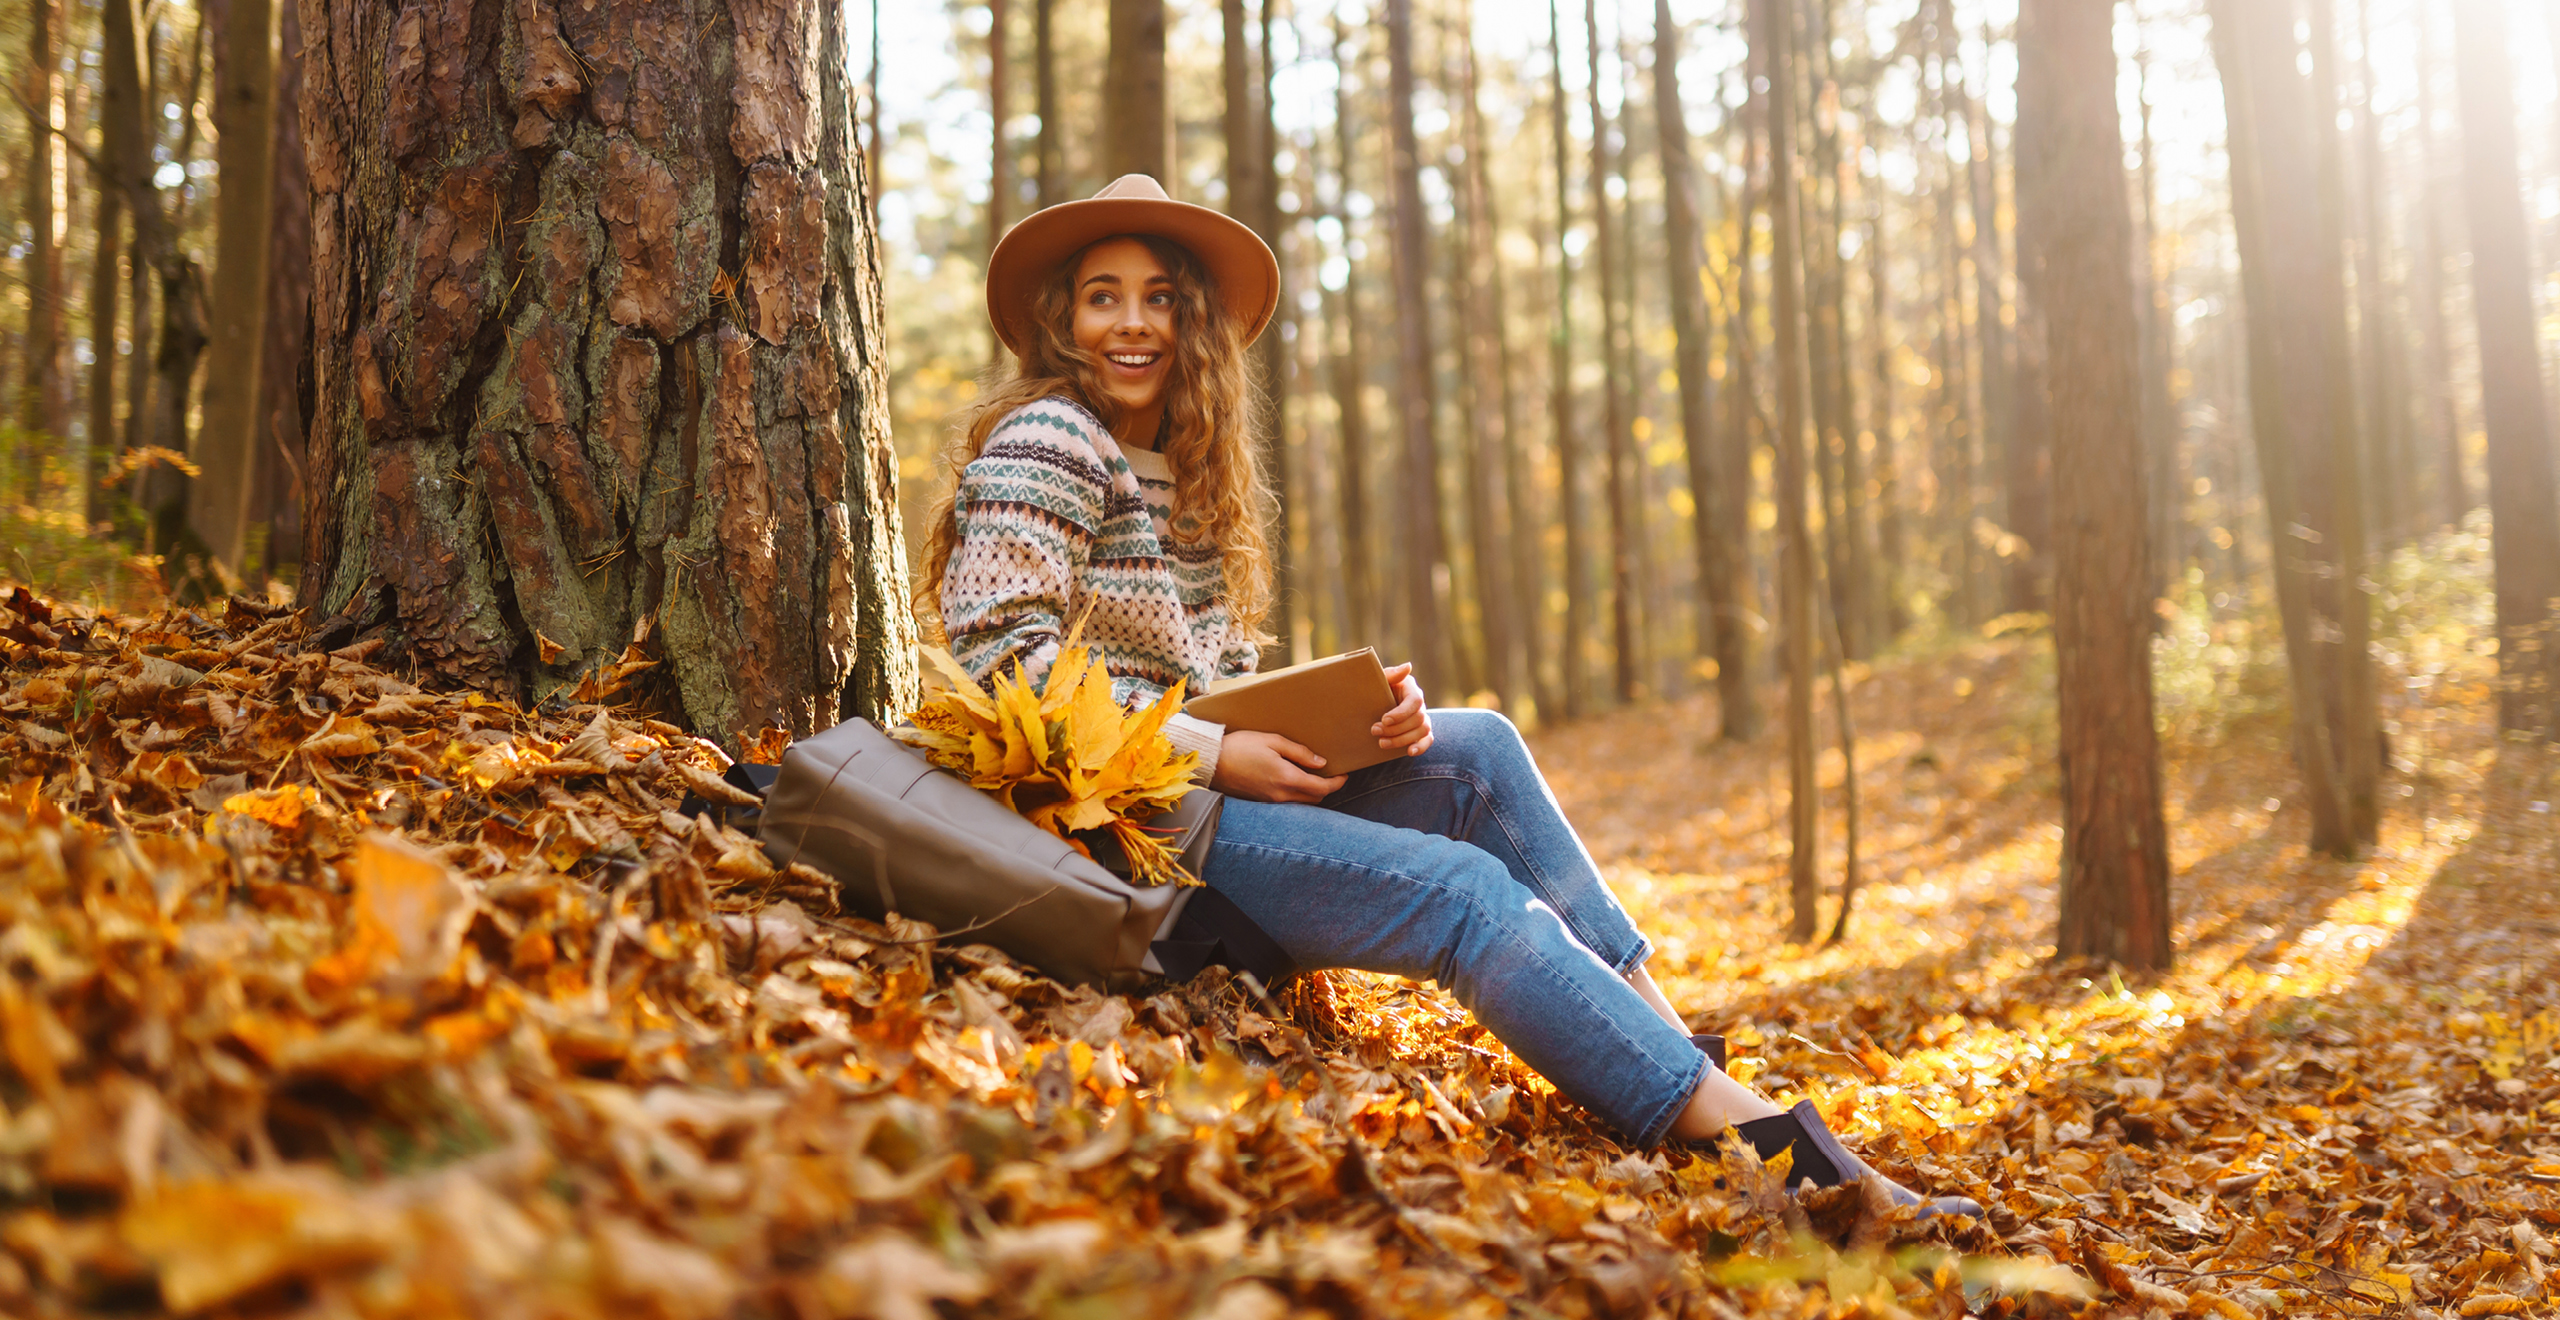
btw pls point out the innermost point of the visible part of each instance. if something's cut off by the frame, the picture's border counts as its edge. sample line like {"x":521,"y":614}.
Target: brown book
{"x":1323,"y":705}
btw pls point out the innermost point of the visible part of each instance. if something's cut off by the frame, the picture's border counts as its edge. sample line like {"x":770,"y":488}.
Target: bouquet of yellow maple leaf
{"x":1066,"y":757}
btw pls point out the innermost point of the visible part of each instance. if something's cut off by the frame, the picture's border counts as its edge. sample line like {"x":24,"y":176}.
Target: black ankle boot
{"x":1714,"y":1047}
{"x":1822,"y":1161}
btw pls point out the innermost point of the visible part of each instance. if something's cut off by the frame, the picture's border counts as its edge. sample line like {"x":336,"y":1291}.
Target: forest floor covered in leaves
{"x":324,"y":995}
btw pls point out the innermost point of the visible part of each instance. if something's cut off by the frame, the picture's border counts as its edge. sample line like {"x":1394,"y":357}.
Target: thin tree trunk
{"x":40,"y":399}
{"x":123,"y":77}
{"x":1342,"y":308}
{"x":1052,"y":146}
{"x":275,"y":499}
{"x":1577,"y":550}
{"x":1295,"y":614}
{"x":1490,"y":449}
{"x":1892,"y":554}
{"x":1516,"y":672}
{"x":2455,"y":500}
{"x":1625,"y":658}
{"x":2115,"y":854}
{"x":1424,"y":553}
{"x":1741,"y":715}
{"x":236,"y":309}
{"x":104,"y":301}
{"x":2385,"y":403}
{"x":2291,"y":289}
{"x":658,"y":447}
{"x":2159,"y":410}
{"x":1136,"y":136}
{"x":1000,"y":172}
{"x":2523,"y":511}
{"x":1795,"y":572}
{"x":1685,"y":249}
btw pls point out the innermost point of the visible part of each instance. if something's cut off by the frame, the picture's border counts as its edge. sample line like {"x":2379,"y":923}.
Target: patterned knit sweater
{"x":1055,"y":517}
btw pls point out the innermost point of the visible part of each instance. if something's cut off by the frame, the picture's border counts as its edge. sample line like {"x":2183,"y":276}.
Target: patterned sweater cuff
{"x":1197,"y":735}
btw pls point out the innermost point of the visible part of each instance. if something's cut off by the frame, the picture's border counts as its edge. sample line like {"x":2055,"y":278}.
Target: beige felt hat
{"x":1247,"y":275}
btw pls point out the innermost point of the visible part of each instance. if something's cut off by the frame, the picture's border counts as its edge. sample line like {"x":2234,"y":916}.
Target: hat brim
{"x":1241,"y":264}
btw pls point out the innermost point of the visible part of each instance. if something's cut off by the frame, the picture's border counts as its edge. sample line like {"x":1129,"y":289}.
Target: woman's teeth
{"x":1133,"y":359}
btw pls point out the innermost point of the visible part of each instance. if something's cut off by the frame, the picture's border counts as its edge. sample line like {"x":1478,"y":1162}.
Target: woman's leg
{"x":1479,"y":785}
{"x":1336,"y":890}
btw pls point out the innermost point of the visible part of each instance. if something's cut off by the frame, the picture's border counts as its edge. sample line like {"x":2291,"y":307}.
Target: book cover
{"x":1324,"y":705}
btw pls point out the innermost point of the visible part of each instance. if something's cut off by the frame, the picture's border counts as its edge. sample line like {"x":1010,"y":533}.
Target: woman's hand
{"x":1265,"y":767}
{"x":1407,"y":728}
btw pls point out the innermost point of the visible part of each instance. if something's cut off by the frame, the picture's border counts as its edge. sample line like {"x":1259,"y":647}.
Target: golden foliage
{"x":1066,"y":757}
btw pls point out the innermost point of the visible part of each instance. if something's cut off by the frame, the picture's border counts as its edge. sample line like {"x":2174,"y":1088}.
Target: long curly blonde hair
{"x":1218,"y":492}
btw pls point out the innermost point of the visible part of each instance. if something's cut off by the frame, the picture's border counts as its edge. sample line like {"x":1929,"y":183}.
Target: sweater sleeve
{"x":1191,"y":734}
{"x":1027,"y":509}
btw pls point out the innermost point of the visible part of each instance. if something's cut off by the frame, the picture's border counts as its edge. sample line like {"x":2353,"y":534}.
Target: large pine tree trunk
{"x":597,"y":352}
{"x":2071,"y":202}
{"x":2524,"y":519}
{"x":236,"y":311}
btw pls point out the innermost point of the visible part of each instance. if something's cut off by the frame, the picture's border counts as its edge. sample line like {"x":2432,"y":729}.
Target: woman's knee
{"x":1478,"y":736}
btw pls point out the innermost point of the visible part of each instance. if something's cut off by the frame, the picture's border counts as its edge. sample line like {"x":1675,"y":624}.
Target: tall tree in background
{"x":40,"y":399}
{"x":1424,"y":551}
{"x":1711,"y":535}
{"x":227,"y":445}
{"x":105,"y":275}
{"x":1613,"y":388}
{"x":519,"y":469}
{"x":2524,"y":515}
{"x":1000,"y":186}
{"x":2435,"y":338}
{"x":1136,"y":136}
{"x":2301,"y":408}
{"x":1575,"y":645}
{"x":2390,"y":469}
{"x":2075,"y":229}
{"x":1772,"y":24}
{"x":1363,"y":621}
{"x":1493,"y":466}
{"x":1052,"y":147}
{"x":275,"y":498}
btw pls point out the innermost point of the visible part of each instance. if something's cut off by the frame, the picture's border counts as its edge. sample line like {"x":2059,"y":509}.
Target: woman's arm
{"x":1027,"y":509}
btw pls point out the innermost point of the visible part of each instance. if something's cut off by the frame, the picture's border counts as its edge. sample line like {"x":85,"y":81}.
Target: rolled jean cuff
{"x":1626,"y":967}
{"x":1657,"y":1127}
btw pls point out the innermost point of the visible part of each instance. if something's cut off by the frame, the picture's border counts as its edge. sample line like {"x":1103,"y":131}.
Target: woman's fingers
{"x":1400,"y":724}
{"x":1297,"y":754}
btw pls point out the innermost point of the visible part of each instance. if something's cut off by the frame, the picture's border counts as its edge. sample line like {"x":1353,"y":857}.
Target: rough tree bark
{"x":1424,"y":549}
{"x":1795,"y":558}
{"x":2073,"y":214}
{"x":244,"y":81}
{"x":597,"y":352}
{"x":1136,"y":137}
{"x":2523,"y":514}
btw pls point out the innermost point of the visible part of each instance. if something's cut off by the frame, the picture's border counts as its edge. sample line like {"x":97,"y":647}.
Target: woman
{"x":1113,"y":474}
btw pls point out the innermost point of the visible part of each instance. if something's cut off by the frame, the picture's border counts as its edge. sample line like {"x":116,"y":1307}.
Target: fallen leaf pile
{"x":324,"y":995}
{"x":1065,"y":756}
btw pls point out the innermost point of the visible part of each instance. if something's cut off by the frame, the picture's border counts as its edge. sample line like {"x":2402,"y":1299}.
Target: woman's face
{"x":1124,"y":314}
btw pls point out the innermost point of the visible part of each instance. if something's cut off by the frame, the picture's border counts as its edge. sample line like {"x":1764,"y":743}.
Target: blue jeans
{"x":1458,"y":866}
